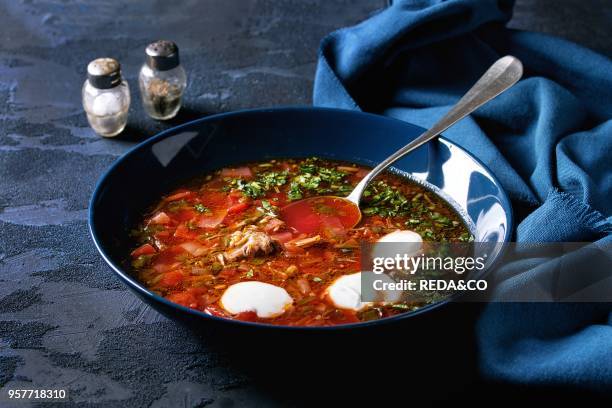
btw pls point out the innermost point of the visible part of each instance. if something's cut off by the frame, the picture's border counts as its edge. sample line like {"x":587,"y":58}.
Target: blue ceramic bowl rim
{"x":137,"y":287}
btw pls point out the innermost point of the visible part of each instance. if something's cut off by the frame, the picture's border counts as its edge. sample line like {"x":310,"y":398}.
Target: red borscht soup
{"x":219,"y":244}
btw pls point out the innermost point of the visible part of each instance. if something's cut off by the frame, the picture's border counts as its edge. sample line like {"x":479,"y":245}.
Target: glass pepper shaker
{"x":106,"y":97}
{"x":162,"y":80}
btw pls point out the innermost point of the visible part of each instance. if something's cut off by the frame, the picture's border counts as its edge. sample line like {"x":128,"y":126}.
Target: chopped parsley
{"x":307,"y":181}
{"x":385,"y":200}
{"x":264,"y":182}
{"x":294,"y":193}
{"x":272,"y":178}
{"x":311,"y":177}
{"x":466,"y":237}
{"x":330,"y":174}
{"x":432,"y":225}
{"x":318,"y":179}
{"x":268,"y":209}
{"x":201,"y":208}
{"x":251,"y":189}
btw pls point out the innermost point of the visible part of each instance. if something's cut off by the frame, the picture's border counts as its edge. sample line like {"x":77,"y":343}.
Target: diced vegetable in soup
{"x":201,"y":243}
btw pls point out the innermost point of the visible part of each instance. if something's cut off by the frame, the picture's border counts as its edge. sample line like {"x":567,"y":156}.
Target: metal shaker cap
{"x":162,"y":55}
{"x":104,"y":73}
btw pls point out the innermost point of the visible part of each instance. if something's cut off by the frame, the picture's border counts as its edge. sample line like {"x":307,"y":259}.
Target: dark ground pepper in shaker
{"x":162,"y":80}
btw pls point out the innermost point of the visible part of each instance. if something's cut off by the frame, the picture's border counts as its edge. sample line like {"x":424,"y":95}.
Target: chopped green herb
{"x":268,"y":209}
{"x":251,"y":189}
{"x":307,"y":181}
{"x":466,"y":237}
{"x":385,"y":200}
{"x":201,"y":208}
{"x":318,"y":179}
{"x":294,"y":192}
{"x":273,"y":178}
{"x":264,"y":182}
{"x":308,"y":166}
{"x":330,"y":174}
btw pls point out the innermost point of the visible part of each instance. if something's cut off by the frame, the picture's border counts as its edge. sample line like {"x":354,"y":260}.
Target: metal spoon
{"x":504,"y":73}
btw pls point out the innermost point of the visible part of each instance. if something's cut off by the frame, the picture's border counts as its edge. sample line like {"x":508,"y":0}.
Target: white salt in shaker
{"x":106,"y":97}
{"x":162,"y":80}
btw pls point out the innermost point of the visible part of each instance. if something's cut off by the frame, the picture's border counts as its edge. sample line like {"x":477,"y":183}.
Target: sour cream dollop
{"x":402,"y":236}
{"x":400,"y":242}
{"x":264,"y":299}
{"x":345,"y":292}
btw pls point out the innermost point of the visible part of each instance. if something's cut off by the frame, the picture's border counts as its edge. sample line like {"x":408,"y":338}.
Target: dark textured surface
{"x":65,"y":321}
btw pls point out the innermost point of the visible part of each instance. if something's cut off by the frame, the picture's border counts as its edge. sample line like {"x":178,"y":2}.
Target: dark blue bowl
{"x":157,"y":165}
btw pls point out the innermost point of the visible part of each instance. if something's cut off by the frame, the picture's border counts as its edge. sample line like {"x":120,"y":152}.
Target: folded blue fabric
{"x":548,"y":140}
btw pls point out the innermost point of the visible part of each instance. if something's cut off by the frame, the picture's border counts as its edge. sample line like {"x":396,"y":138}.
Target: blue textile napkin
{"x":548,"y":140}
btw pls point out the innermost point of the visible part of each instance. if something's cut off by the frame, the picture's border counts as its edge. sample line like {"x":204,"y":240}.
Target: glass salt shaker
{"x":162,"y":80}
{"x":106,"y":97}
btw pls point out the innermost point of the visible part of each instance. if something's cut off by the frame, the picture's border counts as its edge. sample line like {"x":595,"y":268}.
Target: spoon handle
{"x":504,"y":73}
